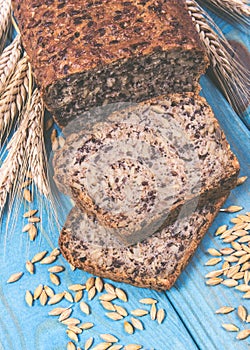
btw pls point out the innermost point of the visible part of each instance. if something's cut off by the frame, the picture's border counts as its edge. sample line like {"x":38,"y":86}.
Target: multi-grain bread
{"x":91,"y":53}
{"x":147,"y":164}
{"x":154,"y":263}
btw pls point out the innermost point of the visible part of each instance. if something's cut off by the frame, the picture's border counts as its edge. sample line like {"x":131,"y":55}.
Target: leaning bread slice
{"x":147,"y":164}
{"x":154,"y":263}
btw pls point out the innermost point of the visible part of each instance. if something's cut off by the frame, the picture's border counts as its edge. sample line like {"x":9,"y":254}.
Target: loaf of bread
{"x":154,"y":263}
{"x":92,"y":53}
{"x":147,"y":164}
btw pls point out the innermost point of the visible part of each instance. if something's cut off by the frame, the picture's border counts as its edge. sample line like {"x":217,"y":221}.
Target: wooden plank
{"x":195,"y":302}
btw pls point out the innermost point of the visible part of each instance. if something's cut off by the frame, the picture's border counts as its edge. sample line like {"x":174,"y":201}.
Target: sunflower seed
{"x":148,"y":301}
{"x":102,"y":346}
{"x":54,"y":279}
{"x":121,"y":294}
{"x":76,"y":287}
{"x":57,"y":311}
{"x":88,"y":343}
{"x":108,"y":305}
{"x":230,"y":327}
{"x":87,"y":325}
{"x":139,"y":312}
{"x":153,"y":312}
{"x":229,"y":283}
{"x":242,"y":313}
{"x":65,"y":315}
{"x":56,"y":269}
{"x":29,"y":298}
{"x":241,"y":180}
{"x":99,"y":284}
{"x":38,"y":291}
{"x":109,"y":338}
{"x":214,"y":281}
{"x":107,"y":297}
{"x":121,"y":310}
{"x":85,"y":308}
{"x":71,"y":346}
{"x":71,"y":321}
{"x":137,"y":323}
{"x":72,"y":335}
{"x":132,"y":347}
{"x":224,"y":310}
{"x":56,"y":298}
{"x":220,"y":230}
{"x":43,"y":298}
{"x":49,"y":291}
{"x":48,"y":260}
{"x":232,"y":209}
{"x":114,"y":316}
{"x":214,"y":273}
{"x":128,"y":327}
{"x":243,"y":288}
{"x":39,"y":256}
{"x":213,"y":252}
{"x":109,"y":288}
{"x":27,"y":195}
{"x":78,"y":296}
{"x":30,"y":213}
{"x":160,"y":316}
{"x":90,"y":283}
{"x":213,"y":261}
{"x":243,"y":334}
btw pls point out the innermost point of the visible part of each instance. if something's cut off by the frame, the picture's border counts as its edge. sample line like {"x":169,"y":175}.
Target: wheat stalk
{"x":236,"y":9}
{"x":15,"y":96}
{"x":230,"y":74}
{"x":8,"y":61}
{"x":5,"y":20}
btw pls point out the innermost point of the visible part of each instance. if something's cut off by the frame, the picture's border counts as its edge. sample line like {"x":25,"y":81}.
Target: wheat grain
{"x":121,"y":294}
{"x":102,"y":346}
{"x":230,"y":327}
{"x":71,"y":346}
{"x":85,"y":307}
{"x":43,"y":298}
{"x":91,"y":293}
{"x":139,"y":312}
{"x":114,"y":316}
{"x":29,"y":298}
{"x":231,"y":75}
{"x":243,"y":334}
{"x":15,"y":277}
{"x":56,"y":269}
{"x":57,"y":311}
{"x":121,"y":310}
{"x":38,"y":291}
{"x":137,"y":323}
{"x":55,"y":279}
{"x":75,"y":329}
{"x":90,"y":283}
{"x":87,"y":325}
{"x":30,"y":267}
{"x":78,"y":296}
{"x":72,"y":335}
{"x":99,"y":284}
{"x":109,"y":338}
{"x":5,"y":20}
{"x":128,"y":327}
{"x":88,"y":343}
{"x":242,"y":313}
{"x":65,"y":315}
{"x":56,"y":298}
{"x":48,"y":260}
{"x":224,"y":310}
{"x":76,"y":287}
{"x":108,"y":305}
{"x":132,"y":347}
{"x":71,"y":321}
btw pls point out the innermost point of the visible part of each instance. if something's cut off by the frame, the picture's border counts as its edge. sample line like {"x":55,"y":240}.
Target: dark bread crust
{"x":76,"y":45}
{"x":149,"y":264}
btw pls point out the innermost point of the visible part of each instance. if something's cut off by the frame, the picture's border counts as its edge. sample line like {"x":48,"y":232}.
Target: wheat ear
{"x":5,"y":21}
{"x":35,"y":147}
{"x":237,"y":10}
{"x":231,"y":75}
{"x":14,"y":97}
{"x":8,"y":61}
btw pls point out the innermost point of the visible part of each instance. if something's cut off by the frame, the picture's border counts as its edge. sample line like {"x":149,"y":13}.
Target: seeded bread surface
{"x":93,"y":53}
{"x":154,"y":263}
{"x":147,"y":164}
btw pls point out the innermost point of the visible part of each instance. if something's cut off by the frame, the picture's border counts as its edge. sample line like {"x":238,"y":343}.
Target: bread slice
{"x":147,"y":164}
{"x":154,"y":263}
{"x":89,"y":53}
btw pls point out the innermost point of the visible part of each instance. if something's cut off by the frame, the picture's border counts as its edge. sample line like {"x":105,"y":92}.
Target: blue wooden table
{"x":190,"y":323}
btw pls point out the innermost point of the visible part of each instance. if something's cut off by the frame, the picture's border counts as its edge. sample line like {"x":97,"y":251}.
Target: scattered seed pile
{"x":234,"y":260}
